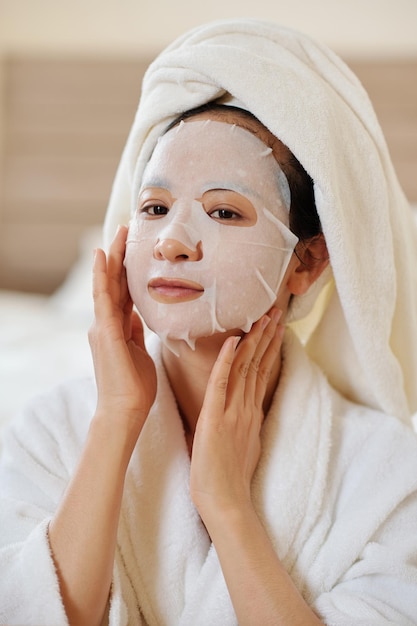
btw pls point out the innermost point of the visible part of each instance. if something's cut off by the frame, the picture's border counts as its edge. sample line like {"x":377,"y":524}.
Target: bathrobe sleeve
{"x":39,"y":452}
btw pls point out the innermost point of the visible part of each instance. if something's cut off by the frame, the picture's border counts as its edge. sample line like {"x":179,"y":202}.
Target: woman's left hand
{"x":227,"y":446}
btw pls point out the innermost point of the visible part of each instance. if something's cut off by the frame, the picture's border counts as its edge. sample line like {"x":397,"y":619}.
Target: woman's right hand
{"x":124,"y":371}
{"x":83,"y":531}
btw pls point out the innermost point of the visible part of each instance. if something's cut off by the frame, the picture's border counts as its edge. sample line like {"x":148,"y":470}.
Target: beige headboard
{"x":65,"y":122}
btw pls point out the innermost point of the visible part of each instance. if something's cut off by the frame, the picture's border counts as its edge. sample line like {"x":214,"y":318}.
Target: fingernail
{"x":236,"y":342}
{"x":276,"y":315}
{"x":265,"y":321}
{"x":119,"y":227}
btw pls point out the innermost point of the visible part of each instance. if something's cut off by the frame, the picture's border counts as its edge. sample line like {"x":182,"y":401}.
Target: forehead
{"x":215,"y":152}
{"x":246,"y":121}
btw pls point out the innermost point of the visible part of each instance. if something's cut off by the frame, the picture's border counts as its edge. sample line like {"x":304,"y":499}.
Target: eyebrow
{"x":159,"y":182}
{"x":238,"y":188}
{"x":163,"y":183}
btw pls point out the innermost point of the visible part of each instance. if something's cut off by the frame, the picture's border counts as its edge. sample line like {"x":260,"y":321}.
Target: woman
{"x":225,"y":473}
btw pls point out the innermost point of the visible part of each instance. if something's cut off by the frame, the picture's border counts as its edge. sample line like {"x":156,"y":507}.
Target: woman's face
{"x":209,"y":243}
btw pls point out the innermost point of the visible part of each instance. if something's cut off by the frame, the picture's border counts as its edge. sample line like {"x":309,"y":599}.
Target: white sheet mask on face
{"x":213,"y":209}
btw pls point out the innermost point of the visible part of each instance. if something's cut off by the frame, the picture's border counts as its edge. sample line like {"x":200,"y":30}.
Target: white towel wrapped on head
{"x":366,"y":340}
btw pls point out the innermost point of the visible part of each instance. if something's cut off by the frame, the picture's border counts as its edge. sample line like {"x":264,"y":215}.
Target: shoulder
{"x":58,"y":418}
{"x":359,"y":428}
{"x":358,"y":433}
{"x":373,"y":461}
{"x":369,"y":451}
{"x":40,"y":449}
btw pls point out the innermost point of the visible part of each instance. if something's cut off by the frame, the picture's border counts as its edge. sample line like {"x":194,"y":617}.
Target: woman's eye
{"x":155,"y":210}
{"x":224,"y":214}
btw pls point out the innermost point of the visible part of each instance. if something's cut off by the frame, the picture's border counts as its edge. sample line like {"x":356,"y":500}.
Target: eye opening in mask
{"x":304,"y":220}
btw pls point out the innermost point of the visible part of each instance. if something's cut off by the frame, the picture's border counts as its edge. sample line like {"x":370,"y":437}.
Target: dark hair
{"x":304,"y":220}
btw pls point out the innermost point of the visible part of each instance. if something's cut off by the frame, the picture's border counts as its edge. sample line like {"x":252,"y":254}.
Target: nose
{"x":174,"y":251}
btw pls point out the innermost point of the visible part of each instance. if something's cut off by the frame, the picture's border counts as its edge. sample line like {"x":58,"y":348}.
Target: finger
{"x":245,"y":354}
{"x":267,"y":363}
{"x":269,"y":332}
{"x":124,"y":289}
{"x":258,"y":368}
{"x":216,"y":392}
{"x":102,"y":300}
{"x":115,"y":268}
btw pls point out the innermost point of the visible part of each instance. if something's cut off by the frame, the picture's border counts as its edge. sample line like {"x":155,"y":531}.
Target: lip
{"x":174,"y":290}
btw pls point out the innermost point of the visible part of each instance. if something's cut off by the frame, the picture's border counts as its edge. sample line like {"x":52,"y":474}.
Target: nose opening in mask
{"x":174,"y":250}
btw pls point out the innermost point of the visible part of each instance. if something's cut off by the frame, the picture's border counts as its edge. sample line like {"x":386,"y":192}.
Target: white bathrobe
{"x":336,"y":488}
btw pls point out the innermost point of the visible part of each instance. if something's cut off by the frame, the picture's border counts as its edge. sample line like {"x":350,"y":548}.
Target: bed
{"x":44,"y":337}
{"x":65,"y":122}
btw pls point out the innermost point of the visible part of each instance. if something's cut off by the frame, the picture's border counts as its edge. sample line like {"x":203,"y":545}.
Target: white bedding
{"x":43,"y":339}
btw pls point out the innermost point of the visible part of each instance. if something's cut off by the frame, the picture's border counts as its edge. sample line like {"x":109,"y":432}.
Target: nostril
{"x":199,"y":251}
{"x":157,"y":252}
{"x":174,"y":250}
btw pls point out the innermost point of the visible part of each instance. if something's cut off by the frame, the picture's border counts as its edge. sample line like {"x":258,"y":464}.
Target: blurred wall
{"x":351,"y":27}
{"x":36,"y":33}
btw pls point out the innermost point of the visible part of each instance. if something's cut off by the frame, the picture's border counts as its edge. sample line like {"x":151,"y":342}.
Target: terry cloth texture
{"x":351,"y":553}
{"x":365,"y":338}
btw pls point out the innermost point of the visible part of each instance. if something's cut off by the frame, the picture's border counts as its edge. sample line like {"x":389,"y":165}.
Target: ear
{"x":311,"y":259}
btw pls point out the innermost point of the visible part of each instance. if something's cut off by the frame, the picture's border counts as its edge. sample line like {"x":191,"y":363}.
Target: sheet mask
{"x":197,"y":169}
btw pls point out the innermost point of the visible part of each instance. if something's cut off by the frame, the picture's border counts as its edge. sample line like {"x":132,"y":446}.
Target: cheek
{"x":138,"y":259}
{"x":237,"y":269}
{"x":237,"y":263}
{"x":248,"y":277}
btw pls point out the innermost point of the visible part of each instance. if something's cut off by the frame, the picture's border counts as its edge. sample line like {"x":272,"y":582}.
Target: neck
{"x":189,"y":372}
